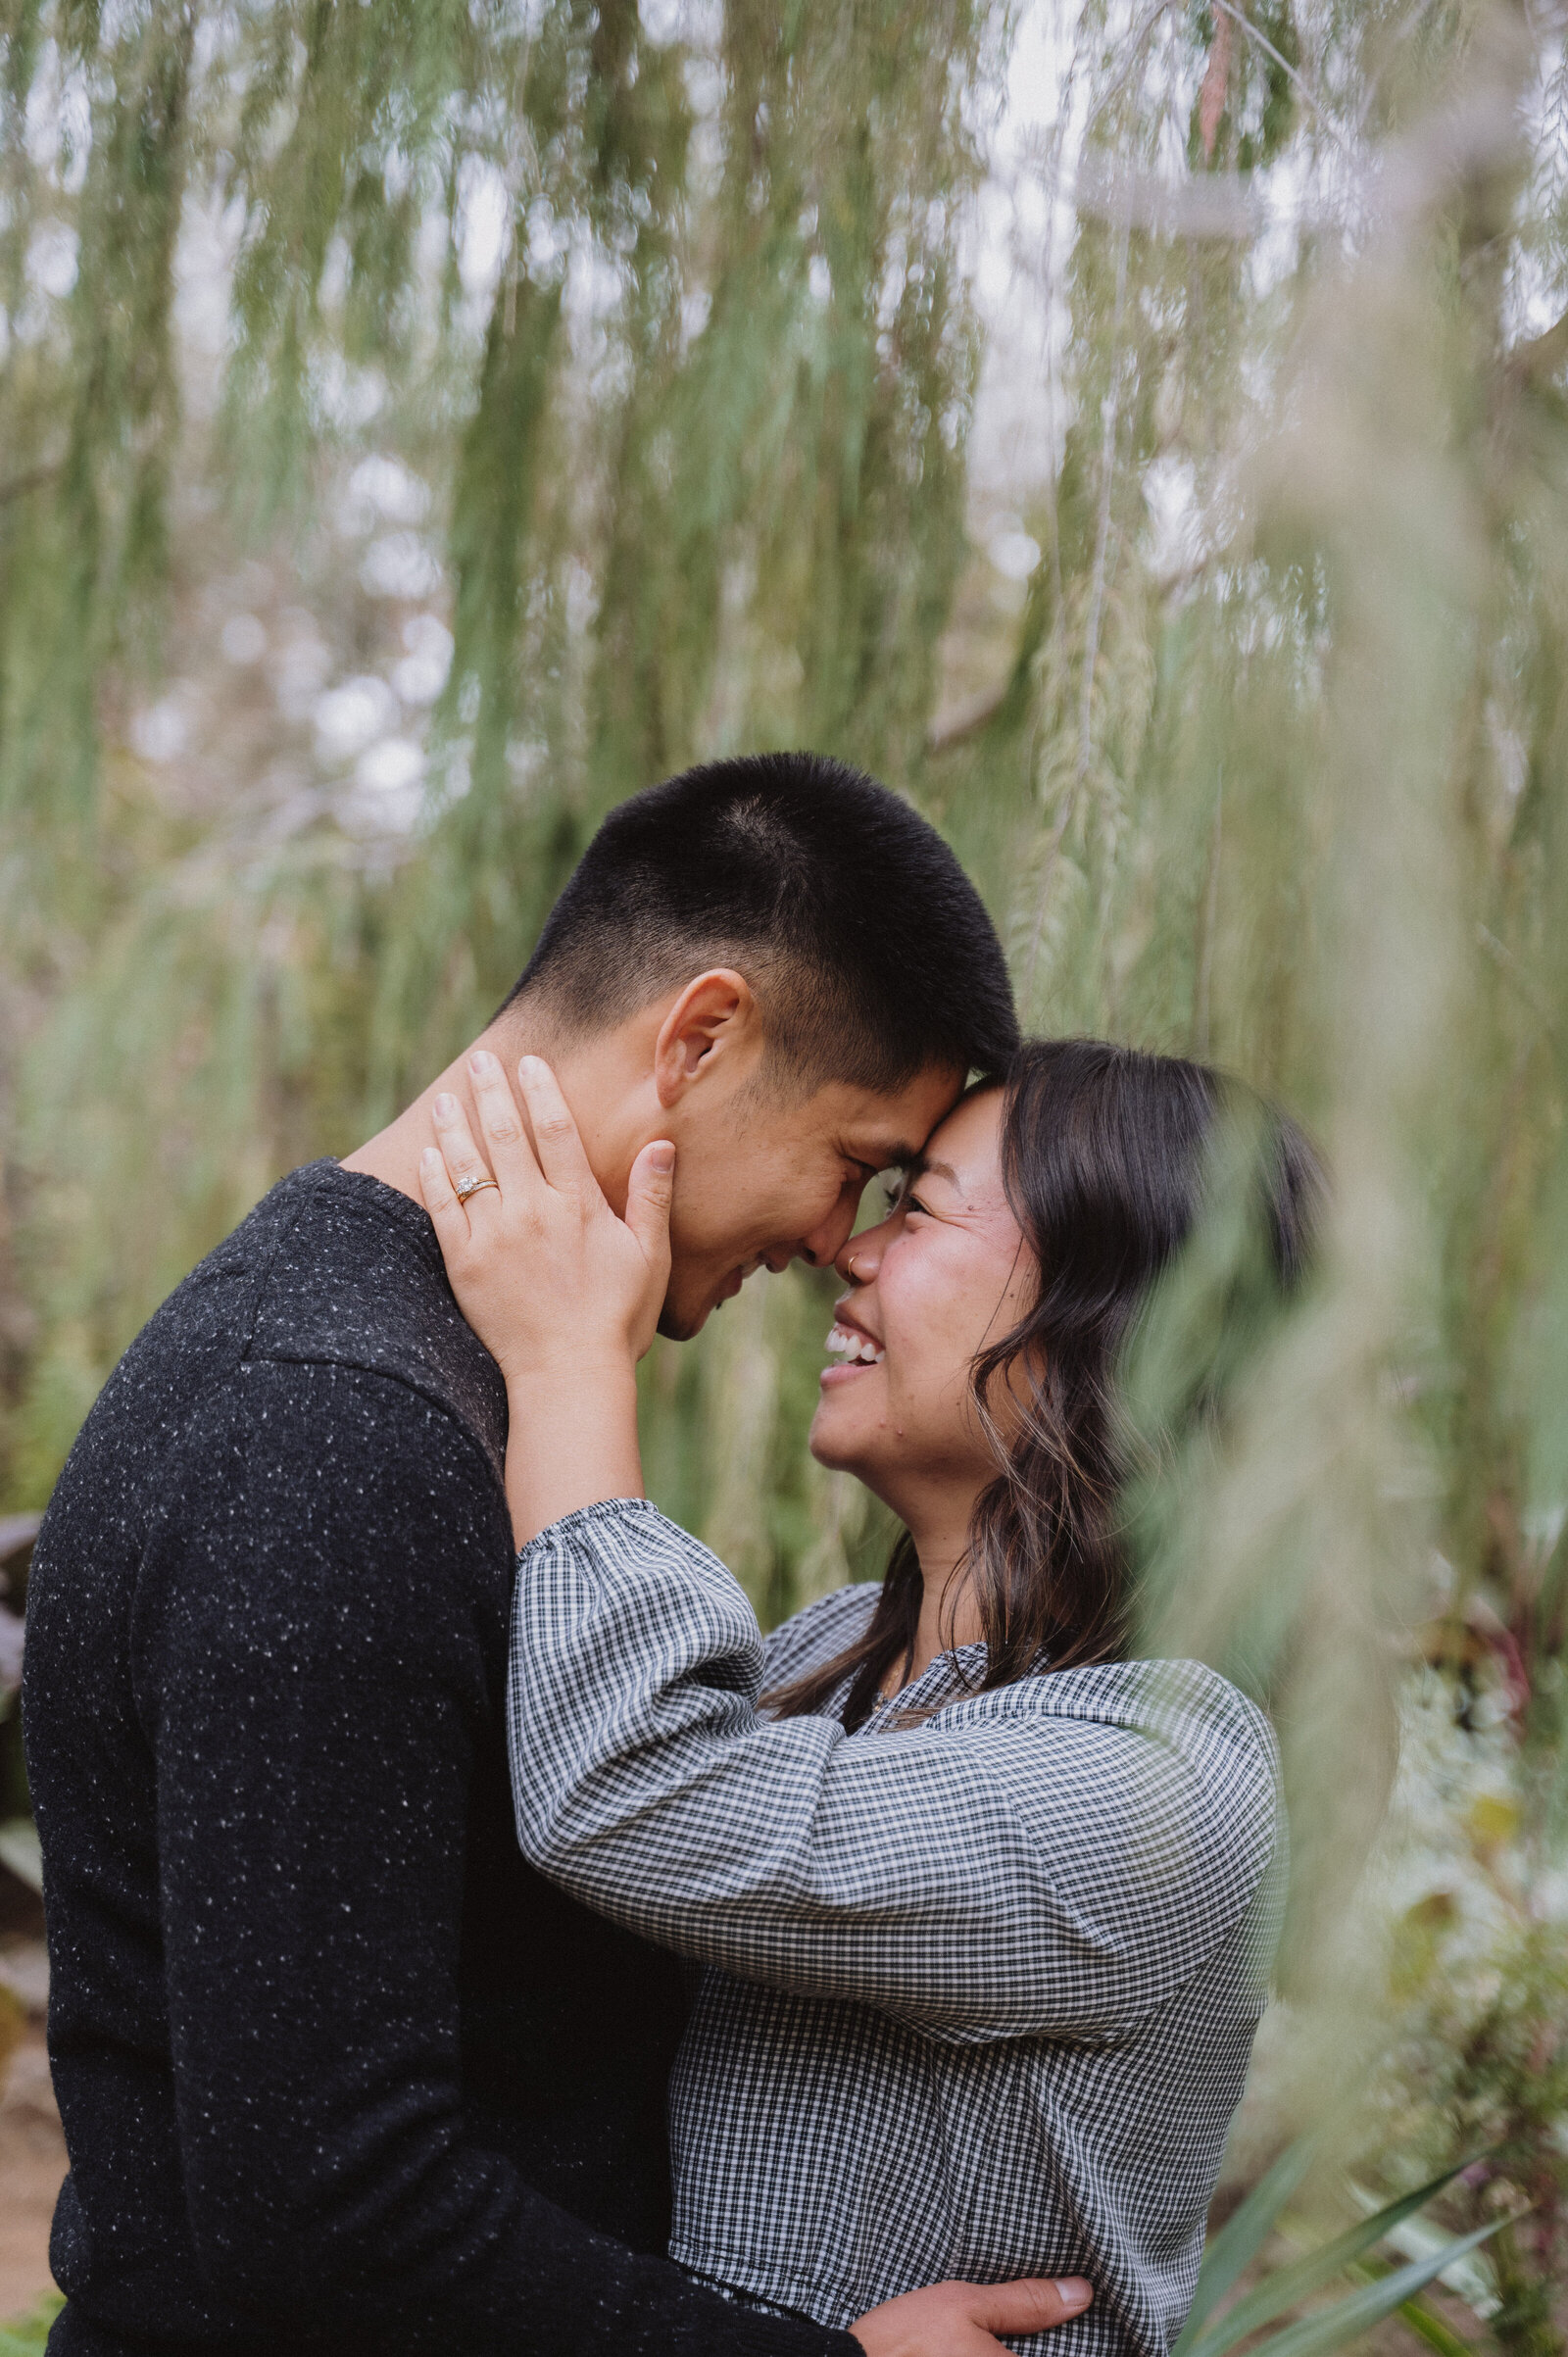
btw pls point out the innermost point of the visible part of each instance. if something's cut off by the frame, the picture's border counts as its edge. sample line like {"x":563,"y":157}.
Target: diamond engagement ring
{"x":466,"y":1187}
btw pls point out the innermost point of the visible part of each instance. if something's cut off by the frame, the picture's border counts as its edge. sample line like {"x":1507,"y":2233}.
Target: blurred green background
{"x":1138,"y":432}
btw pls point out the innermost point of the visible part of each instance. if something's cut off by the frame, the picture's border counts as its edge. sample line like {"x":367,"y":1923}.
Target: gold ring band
{"x":469,"y":1187}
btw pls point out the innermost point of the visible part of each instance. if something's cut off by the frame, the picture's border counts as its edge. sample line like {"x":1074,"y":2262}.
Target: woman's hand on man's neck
{"x":594,"y":1084}
{"x":392,"y":1156}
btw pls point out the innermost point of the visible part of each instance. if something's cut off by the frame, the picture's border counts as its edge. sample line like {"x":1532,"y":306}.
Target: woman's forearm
{"x":1056,"y":1857}
{"x":572,"y":1441}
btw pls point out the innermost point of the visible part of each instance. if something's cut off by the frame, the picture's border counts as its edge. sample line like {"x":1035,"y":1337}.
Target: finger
{"x":446,"y":1215}
{"x":1033,"y":2305}
{"x":649,"y":1191}
{"x":554,"y":1133}
{"x":462,"y":1158}
{"x":501,"y":1133}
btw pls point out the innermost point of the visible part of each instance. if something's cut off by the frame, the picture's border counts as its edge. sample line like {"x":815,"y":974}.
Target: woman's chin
{"x":836,"y":1440}
{"x":828,"y":1433}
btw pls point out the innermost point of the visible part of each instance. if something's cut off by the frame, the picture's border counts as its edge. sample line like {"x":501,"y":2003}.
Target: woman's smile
{"x":857,"y":1350}
{"x":924,"y":1288}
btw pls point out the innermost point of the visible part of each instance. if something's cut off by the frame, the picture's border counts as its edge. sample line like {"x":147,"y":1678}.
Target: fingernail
{"x":661,"y":1158}
{"x":445,"y":1108}
{"x":527,"y":1065}
{"x":1073,"y":2292}
{"x":430,"y":1157}
{"x":479,"y":1062}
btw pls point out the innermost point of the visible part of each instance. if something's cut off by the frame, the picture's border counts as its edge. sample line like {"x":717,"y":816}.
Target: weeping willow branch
{"x":35,"y":479}
{"x":547,"y":405}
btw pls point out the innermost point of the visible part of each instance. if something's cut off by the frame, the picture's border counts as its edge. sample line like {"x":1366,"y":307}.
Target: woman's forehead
{"x":965,"y":1149}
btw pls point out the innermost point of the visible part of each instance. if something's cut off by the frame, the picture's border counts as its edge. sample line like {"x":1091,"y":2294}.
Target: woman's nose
{"x":860,"y":1259}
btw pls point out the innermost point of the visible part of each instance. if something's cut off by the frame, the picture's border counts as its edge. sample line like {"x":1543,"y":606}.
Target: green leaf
{"x":1432,"y":2328}
{"x":1243,"y":2236}
{"x":1349,"y":2318}
{"x":1433,"y":2331}
{"x":1290,"y":2284}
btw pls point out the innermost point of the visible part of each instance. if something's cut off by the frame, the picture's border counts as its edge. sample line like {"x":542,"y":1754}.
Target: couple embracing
{"x":468,"y":1933}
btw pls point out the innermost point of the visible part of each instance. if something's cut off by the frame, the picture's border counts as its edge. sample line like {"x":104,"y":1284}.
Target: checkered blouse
{"x":981,"y":1991}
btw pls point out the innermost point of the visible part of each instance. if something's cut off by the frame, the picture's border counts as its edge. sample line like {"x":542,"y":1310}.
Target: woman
{"x":986,"y":1907}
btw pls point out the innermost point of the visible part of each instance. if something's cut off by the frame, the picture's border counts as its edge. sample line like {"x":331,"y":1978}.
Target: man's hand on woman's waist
{"x":961,"y":2319}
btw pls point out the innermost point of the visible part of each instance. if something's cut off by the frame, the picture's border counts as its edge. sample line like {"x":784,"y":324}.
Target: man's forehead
{"x":891,"y":1132}
{"x":886,"y":1152}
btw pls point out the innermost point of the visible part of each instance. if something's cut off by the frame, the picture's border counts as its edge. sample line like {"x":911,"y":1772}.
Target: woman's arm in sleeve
{"x":1007,"y":1871}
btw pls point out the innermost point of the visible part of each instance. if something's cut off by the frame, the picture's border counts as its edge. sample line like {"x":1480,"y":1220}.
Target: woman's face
{"x":946,"y":1273}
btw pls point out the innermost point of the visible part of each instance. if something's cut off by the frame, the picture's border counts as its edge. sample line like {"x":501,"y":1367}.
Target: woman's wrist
{"x":572,"y":1367}
{"x":572,"y":1438}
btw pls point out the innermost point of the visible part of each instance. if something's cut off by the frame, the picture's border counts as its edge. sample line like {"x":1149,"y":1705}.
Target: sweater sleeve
{"x":310,"y":1667}
{"x":1058,"y":1856}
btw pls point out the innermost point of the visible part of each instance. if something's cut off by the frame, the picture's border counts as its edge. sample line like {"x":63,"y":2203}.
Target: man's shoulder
{"x":291,"y":1441}
{"x":330,"y":1269}
{"x":329,"y":1291}
{"x":349,"y":1274}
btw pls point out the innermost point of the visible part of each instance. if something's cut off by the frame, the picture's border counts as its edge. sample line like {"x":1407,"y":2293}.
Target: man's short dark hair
{"x":869,"y":950}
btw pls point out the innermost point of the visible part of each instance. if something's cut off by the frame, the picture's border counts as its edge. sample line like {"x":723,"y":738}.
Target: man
{"x":337,"y":2072}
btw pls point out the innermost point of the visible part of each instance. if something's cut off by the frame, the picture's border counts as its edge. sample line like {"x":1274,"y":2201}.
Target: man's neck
{"x":595,"y":1084}
{"x":393,"y":1155}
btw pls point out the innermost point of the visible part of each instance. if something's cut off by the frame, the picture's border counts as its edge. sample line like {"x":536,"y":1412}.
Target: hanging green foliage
{"x":422,"y":425}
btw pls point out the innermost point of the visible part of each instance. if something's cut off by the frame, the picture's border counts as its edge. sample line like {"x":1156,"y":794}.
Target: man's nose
{"x":821,"y":1249}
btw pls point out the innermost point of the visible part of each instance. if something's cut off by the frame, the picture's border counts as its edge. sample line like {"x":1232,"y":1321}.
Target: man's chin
{"x":676,"y":1322}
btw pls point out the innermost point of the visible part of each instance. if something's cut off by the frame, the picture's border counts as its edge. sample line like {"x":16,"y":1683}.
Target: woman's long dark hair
{"x":1104,"y":1157}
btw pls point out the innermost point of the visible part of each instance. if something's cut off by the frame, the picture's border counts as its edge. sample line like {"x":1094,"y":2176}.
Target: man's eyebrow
{"x":920,"y":1165}
{"x":890,"y":1157}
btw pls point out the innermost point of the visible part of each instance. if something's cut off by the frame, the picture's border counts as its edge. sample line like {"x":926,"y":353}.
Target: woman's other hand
{"x":962,"y":2319}
{"x":543,"y":1270}
{"x":564,"y":1295}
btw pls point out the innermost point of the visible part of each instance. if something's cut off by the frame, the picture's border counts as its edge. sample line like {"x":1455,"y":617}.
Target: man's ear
{"x":715,"y":1020}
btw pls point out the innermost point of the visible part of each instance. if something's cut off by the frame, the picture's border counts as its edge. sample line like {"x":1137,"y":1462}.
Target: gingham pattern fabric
{"x":981,"y":1990}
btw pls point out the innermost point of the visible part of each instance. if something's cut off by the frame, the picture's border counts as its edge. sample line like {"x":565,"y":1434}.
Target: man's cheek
{"x":686,"y":1238}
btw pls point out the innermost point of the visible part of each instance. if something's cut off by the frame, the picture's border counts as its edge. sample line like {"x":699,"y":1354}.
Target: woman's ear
{"x":715,"y":1024}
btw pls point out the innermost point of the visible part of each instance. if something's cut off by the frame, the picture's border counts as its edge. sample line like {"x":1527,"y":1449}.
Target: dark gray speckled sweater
{"x":337,"y":2071}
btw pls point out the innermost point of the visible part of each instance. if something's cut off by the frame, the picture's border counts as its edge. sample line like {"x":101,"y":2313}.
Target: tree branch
{"x":21,"y":484}
{"x":1298,"y":80}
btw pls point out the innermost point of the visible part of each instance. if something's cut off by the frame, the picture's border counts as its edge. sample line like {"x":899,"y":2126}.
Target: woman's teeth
{"x":852,"y":1347}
